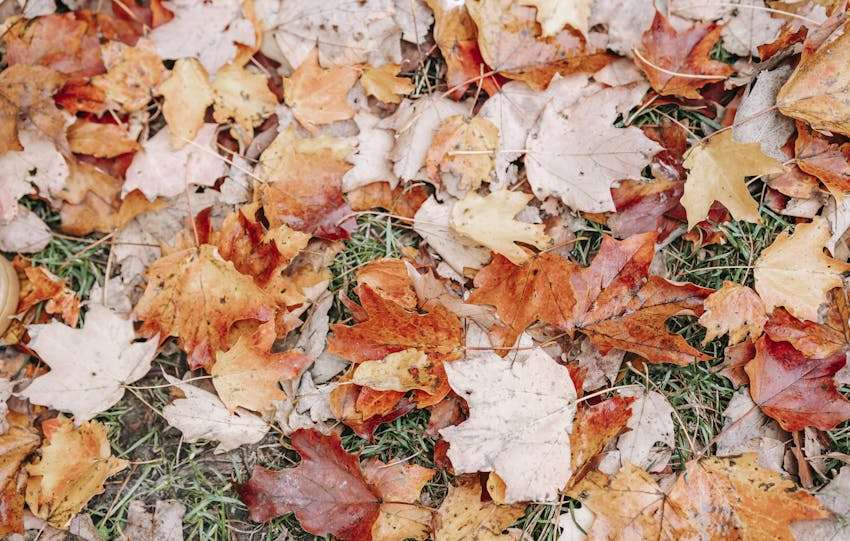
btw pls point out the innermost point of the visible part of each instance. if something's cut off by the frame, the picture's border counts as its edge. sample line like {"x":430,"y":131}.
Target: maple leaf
{"x":733,"y":309}
{"x":16,"y":443}
{"x":384,"y":84}
{"x":489,"y":221}
{"x":463,"y":515}
{"x":461,"y":155}
{"x":197,"y":296}
{"x":187,"y":94}
{"x":553,"y":15}
{"x":817,"y":90}
{"x":722,"y":495}
{"x":318,"y":96}
{"x":625,"y":22}
{"x":326,"y":491}
{"x":244,"y":96}
{"x":650,"y":423}
{"x":526,"y":443}
{"x":41,"y":285}
{"x":248,"y":375}
{"x":593,"y":428}
{"x":164,"y":524}
{"x":814,"y":339}
{"x":370,"y":159}
{"x":397,"y":482}
{"x":390,"y":279}
{"x":202,"y":416}
{"x":402,"y":371}
{"x":106,"y":358}
{"x":717,"y":172}
{"x":27,"y":94}
{"x":160,"y":171}
{"x":833,"y":497}
{"x":75,"y":462}
{"x":591,"y":154}
{"x":827,"y":161}
{"x":793,"y":272}
{"x":132,"y":74}
{"x":100,"y":139}
{"x":796,"y":390}
{"x":643,"y":207}
{"x":63,"y":42}
{"x":304,"y":189}
{"x":687,"y":52}
{"x":432,"y":221}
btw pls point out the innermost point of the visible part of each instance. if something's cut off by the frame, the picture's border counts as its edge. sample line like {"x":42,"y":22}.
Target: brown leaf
{"x":812,"y":339}
{"x":16,"y":444}
{"x":187,"y":94}
{"x":734,"y":309}
{"x":326,"y":491}
{"x":133,"y":74}
{"x":402,"y":200}
{"x":828,"y":161}
{"x":100,"y":139}
{"x":459,"y":173}
{"x":735,"y":359}
{"x":642,"y":207}
{"x":796,"y":390}
{"x":593,"y":428}
{"x":318,"y":95}
{"x":685,"y":52}
{"x":244,"y":96}
{"x":26,"y":92}
{"x":41,"y":285}
{"x":197,"y":296}
{"x":463,"y":515}
{"x":397,"y":482}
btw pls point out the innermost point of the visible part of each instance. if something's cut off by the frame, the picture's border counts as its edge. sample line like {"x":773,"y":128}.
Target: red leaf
{"x":326,"y":491}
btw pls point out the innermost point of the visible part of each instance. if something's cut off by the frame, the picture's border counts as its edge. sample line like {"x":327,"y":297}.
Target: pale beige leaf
{"x":462,"y":153}
{"x":734,"y":309}
{"x":164,"y":524}
{"x":554,"y":14}
{"x":244,"y":96}
{"x":432,"y":223}
{"x":402,"y":371}
{"x":187,"y":94}
{"x":400,"y":521}
{"x":463,"y":516}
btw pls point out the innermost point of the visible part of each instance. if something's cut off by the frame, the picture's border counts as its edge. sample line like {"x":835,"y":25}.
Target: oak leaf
{"x":105,"y":359}
{"x":197,"y":296}
{"x":187,"y":94}
{"x":462,"y":154}
{"x":664,"y":50}
{"x":384,"y":84}
{"x":795,"y":273}
{"x":326,"y":490}
{"x":248,"y":375}
{"x":202,"y":416}
{"x":318,"y":96}
{"x":133,"y":73}
{"x":463,"y":515}
{"x":734,"y":309}
{"x":490,"y":222}
{"x":244,"y":96}
{"x":717,"y":172}
{"x":526,"y":443}
{"x":796,"y":390}
{"x":75,"y":462}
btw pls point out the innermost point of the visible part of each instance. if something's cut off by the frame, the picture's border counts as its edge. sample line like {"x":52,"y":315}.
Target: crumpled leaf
{"x":746,"y":429}
{"x":489,"y":221}
{"x":74,"y":464}
{"x":133,"y":73}
{"x":590,"y":154}
{"x":643,"y":207}
{"x":248,"y":375}
{"x":187,"y":94}
{"x":160,"y":171}
{"x":164,"y":524}
{"x":384,"y":84}
{"x":686,"y":52}
{"x":796,"y":390}
{"x":734,"y":309}
{"x":16,"y":443}
{"x":202,"y":416}
{"x":526,"y":443}
{"x":105,"y":359}
{"x":326,"y":490}
{"x":207,"y":31}
{"x":829,"y":335}
{"x":370,"y":159}
{"x":823,"y":159}
{"x":42,"y":285}
{"x":432,"y":221}
{"x":244,"y":96}
{"x":749,"y":27}
{"x":794,"y":273}
{"x":197,"y":296}
{"x":27,"y":95}
{"x":594,"y":427}
{"x":25,"y":233}
{"x":462,"y":154}
{"x":752,"y":124}
{"x":716,"y":172}
{"x":318,"y":96}
{"x":463,"y":515}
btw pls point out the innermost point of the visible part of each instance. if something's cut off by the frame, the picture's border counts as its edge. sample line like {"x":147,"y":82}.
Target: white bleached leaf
{"x":431,"y":222}
{"x":415,"y":18}
{"x":202,"y":416}
{"x":520,"y":418}
{"x":160,"y":171}
{"x":625,"y":21}
{"x":746,"y":429}
{"x":835,"y":496}
{"x":308,"y":407}
{"x":574,"y":523}
{"x":25,"y":233}
{"x":91,"y":379}
{"x":370,"y":160}
{"x":164,"y":524}
{"x":600,"y":370}
{"x":117,"y":296}
{"x":651,"y":423}
{"x":757,"y":121}
{"x":749,"y":26}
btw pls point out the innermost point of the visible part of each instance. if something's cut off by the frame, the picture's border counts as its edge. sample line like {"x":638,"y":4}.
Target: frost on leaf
{"x":521,"y":414}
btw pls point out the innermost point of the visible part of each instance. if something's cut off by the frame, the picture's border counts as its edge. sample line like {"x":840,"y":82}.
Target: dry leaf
{"x":164,"y":524}
{"x":187,"y":94}
{"x":100,"y":139}
{"x":318,"y":96}
{"x":383,"y":83}
{"x":462,"y":154}
{"x":463,"y":515}
{"x":401,"y":371}
{"x":371,"y":158}
{"x":133,"y":73}
{"x":752,"y":124}
{"x":41,"y":285}
{"x":717,"y":171}
{"x":105,"y":359}
{"x":733,"y":309}
{"x":594,"y":427}
{"x":25,"y":233}
{"x":553,"y":15}
{"x":244,"y":96}
{"x":793,"y":272}
{"x":397,"y":482}
{"x":390,"y":279}
{"x":526,"y":443}
{"x":833,"y":497}
{"x":431,"y":222}
{"x":27,"y":95}
{"x":66,"y":42}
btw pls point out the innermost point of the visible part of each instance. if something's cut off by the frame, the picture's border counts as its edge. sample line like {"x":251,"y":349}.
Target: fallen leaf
{"x":794,"y":273}
{"x":371,"y":158}
{"x":158,"y":170}
{"x":832,"y":497}
{"x":717,"y":172}
{"x":625,"y":21}
{"x":390,"y":279}
{"x":164,"y":524}
{"x":16,"y":443}
{"x":643,"y":207}
{"x":384,"y":84}
{"x":462,"y":154}
{"x":599,"y":370}
{"x":526,"y":443}
{"x":819,"y":339}
{"x":817,"y":90}
{"x":202,"y":416}
{"x":750,"y":27}
{"x":752,"y":124}
{"x":132,"y":75}
{"x":244,"y":96}
{"x":63,"y":42}
{"x":100,"y":139}
{"x":401,"y":371}
{"x":591,"y":154}
{"x":27,"y":95}
{"x":463,"y":515}
{"x":25,"y":233}
{"x":432,"y":221}
{"x":553,"y":15}
{"x":105,"y":359}
{"x":396,"y":482}
{"x":650,"y":423}
{"x":400,"y":522}
{"x":664,"y":50}
{"x":593,"y":428}
{"x":187,"y":94}
{"x":489,"y":221}
{"x":722,"y":495}
{"x":318,"y":96}
{"x":197,"y":296}
{"x":734,"y":309}
{"x":74,"y":464}
{"x":248,"y":375}
{"x":796,"y":390}
{"x":42,"y":285}
{"x":326,"y":491}
{"x":746,"y":429}
{"x":818,"y":156}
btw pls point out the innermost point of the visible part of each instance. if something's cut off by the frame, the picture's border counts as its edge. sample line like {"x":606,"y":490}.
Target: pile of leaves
{"x":565,"y":177}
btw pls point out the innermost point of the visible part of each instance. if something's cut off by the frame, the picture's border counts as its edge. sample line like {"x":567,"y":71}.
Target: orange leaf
{"x":63,"y":42}
{"x":41,"y":285}
{"x":819,"y":157}
{"x":593,"y":428}
{"x":317,"y":95}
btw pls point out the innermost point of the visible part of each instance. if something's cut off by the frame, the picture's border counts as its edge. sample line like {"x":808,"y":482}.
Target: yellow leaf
{"x":554,"y":14}
{"x":244,"y":96}
{"x":317,"y":95}
{"x":489,"y":221}
{"x":794,"y":271}
{"x":187,"y":95}
{"x":99,"y":139}
{"x":401,"y":371}
{"x":463,"y":515}
{"x":462,"y":153}
{"x":133,"y":74}
{"x":717,"y":171}
{"x":384,"y":85}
